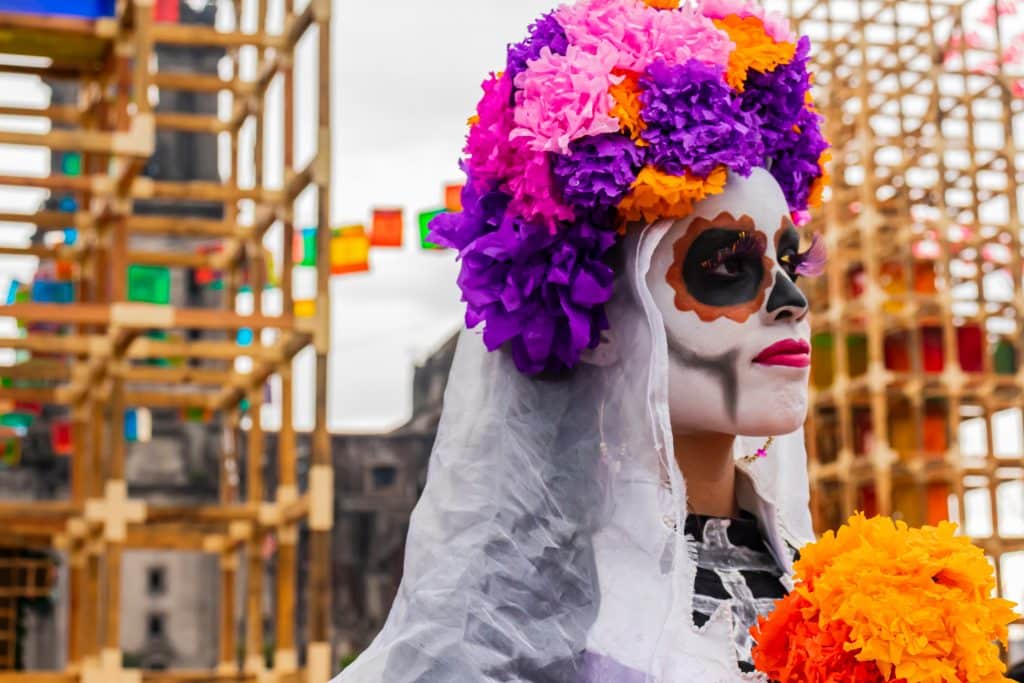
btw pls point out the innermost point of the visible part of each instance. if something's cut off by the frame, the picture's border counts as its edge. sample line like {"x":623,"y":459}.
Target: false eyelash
{"x":811,"y":263}
{"x":747,"y":244}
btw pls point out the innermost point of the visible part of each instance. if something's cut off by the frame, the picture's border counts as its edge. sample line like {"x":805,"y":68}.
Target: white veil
{"x":544,"y":546}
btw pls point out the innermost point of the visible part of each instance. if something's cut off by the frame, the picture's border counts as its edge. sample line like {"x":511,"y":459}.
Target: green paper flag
{"x":18,"y":421}
{"x":425,"y":219}
{"x":71,"y":163}
{"x":149,"y":284}
{"x":10,"y":451}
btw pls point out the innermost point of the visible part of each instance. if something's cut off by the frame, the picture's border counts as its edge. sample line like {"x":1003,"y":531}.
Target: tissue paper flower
{"x":612,"y":112}
{"x":940,"y":623}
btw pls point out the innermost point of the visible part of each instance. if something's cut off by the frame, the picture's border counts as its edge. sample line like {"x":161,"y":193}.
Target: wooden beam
{"x":182,"y":226}
{"x":203,"y":36}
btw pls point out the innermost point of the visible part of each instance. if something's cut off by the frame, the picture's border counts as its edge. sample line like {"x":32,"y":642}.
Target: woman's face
{"x":738,"y":335}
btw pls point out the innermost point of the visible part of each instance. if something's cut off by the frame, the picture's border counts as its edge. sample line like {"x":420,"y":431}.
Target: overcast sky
{"x":409,"y":75}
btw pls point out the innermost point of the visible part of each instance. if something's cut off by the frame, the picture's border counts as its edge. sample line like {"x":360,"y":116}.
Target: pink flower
{"x":563,"y":98}
{"x":493,"y":159}
{"x":641,"y":34}
{"x":488,"y":156}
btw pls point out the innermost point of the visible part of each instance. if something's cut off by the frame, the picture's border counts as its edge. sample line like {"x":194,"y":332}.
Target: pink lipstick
{"x":790,"y":353}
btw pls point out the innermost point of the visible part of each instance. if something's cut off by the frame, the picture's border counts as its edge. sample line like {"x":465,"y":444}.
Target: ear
{"x":607,"y":352}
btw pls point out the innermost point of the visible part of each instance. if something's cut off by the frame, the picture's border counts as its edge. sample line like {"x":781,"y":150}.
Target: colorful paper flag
{"x":350,"y":250}
{"x":18,"y":421}
{"x":61,"y":437}
{"x":196,"y":414}
{"x":388,"y":228}
{"x":304,"y":247}
{"x":273,"y":276}
{"x":71,"y":164}
{"x":10,"y":451}
{"x":149,"y":284}
{"x":245,"y":337}
{"x":65,"y":269}
{"x":425,"y":218}
{"x":70,"y":236}
{"x":167,"y":11}
{"x":453,"y":197}
{"x":138,"y":425}
{"x":305,"y":308}
{"x":53,"y":292}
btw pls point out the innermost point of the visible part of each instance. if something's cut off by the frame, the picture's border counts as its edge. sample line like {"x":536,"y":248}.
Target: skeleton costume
{"x":642,"y":283}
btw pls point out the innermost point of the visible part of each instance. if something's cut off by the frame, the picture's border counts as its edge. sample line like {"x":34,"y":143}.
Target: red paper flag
{"x":60,"y":436}
{"x":388,"y":228}
{"x":453,"y":198}
{"x":168,"y":11}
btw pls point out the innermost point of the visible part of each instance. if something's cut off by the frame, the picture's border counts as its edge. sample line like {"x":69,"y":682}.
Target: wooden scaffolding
{"x":917,"y":377}
{"x":110,"y":349}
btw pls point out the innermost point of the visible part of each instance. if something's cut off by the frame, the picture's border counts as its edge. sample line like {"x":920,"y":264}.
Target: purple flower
{"x":695,"y":122}
{"x":795,"y":162}
{"x":777,"y":97}
{"x":598,"y":171}
{"x":539,"y":293}
{"x":546,"y":32}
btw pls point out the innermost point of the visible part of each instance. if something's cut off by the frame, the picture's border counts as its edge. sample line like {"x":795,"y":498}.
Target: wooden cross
{"x":116,"y":511}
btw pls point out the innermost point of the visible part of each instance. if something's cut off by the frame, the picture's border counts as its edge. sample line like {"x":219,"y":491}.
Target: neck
{"x":706,"y":461}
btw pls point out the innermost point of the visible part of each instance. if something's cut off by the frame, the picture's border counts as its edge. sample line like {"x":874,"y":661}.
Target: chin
{"x":772,"y":413}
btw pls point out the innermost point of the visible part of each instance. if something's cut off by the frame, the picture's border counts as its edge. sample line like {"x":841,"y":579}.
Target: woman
{"x":592,"y":513}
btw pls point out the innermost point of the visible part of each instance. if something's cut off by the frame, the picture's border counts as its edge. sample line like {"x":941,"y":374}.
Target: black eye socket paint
{"x":725,"y":267}
{"x":787,"y":250}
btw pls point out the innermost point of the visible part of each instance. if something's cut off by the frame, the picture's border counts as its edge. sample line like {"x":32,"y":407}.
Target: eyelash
{"x":748,"y":244}
{"x":810,"y":263}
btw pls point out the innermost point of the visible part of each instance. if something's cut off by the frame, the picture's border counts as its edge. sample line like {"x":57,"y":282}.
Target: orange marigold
{"x":755,"y":49}
{"x":821,"y":182}
{"x":656,"y":195}
{"x":628,"y":106}
{"x":940,"y":623}
{"x":663,"y":4}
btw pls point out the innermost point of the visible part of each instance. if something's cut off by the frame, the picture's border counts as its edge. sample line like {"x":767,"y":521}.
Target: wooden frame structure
{"x":918,"y":335}
{"x":91,"y":355}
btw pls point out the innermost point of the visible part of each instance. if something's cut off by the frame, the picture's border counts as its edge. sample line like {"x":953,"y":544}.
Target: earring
{"x":761,"y":452}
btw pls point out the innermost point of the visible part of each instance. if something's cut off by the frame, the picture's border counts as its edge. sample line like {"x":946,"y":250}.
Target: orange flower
{"x":656,"y":195}
{"x":939,"y":623}
{"x":755,"y":49}
{"x":663,"y":4}
{"x":628,"y":105}
{"x":821,"y":182}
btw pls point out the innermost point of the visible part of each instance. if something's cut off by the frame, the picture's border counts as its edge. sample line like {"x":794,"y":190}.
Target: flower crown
{"x":614,"y":112}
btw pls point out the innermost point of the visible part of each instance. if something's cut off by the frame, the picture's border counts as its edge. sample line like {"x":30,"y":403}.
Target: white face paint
{"x":737,"y":326}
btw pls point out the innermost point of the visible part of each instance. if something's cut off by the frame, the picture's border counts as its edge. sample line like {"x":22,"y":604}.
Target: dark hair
{"x":1016,"y":673}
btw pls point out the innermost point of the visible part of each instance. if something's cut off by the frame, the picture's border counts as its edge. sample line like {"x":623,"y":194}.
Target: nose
{"x":786,"y":303}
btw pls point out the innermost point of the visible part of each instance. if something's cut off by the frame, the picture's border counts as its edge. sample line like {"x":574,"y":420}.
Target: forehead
{"x":758,"y":197}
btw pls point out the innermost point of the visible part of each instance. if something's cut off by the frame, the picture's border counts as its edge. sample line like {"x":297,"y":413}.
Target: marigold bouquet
{"x":879,"y":602}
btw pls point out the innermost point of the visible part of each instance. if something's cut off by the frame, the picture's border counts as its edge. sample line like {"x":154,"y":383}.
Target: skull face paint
{"x":736,"y":324}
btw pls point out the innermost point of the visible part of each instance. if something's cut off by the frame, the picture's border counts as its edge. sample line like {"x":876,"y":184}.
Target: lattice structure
{"x":20,"y":577}
{"x":112,"y":346}
{"x":918,"y":384}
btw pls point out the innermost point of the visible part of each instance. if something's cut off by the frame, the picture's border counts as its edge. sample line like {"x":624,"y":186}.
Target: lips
{"x":790,"y":353}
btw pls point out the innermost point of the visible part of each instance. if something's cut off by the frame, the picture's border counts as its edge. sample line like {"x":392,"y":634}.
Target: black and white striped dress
{"x":734,"y":568}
